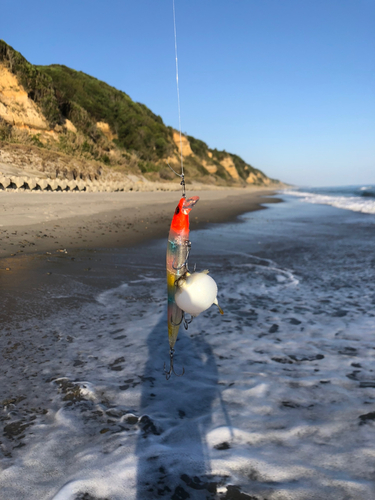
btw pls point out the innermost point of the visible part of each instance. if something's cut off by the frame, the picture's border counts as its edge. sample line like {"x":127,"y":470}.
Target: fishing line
{"x":178,"y":101}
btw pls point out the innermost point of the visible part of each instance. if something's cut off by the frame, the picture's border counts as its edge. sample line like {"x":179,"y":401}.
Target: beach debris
{"x":130,"y":418}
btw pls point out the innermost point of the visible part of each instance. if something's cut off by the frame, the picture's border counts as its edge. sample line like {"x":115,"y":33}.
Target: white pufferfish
{"x":196,"y":293}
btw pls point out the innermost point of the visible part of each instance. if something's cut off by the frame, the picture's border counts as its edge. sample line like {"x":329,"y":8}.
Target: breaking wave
{"x":363,"y":202}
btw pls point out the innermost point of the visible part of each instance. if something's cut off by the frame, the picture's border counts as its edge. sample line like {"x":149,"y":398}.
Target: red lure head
{"x":180,"y":221}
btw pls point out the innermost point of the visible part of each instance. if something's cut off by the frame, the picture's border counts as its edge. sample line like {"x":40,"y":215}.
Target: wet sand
{"x":40,"y":222}
{"x":43,"y":244}
{"x":277,"y":400}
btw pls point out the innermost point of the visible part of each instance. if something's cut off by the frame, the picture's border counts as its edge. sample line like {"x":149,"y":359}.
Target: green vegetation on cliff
{"x":135,"y":138}
{"x":137,"y":128}
{"x":201,"y":149}
{"x":38,"y":85}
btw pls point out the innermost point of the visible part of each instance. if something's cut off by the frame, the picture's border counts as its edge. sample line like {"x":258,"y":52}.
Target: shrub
{"x":35,"y":140}
{"x":198,"y":147}
{"x":5,"y":130}
{"x":148,"y":166}
{"x":105,"y":159}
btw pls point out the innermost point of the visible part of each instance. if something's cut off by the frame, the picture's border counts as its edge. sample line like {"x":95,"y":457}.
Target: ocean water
{"x":355,"y":198}
{"x":278,"y":397}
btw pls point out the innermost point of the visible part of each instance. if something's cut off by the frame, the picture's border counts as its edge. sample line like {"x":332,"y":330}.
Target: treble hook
{"x":171,"y":368}
{"x":185,"y":263}
{"x":187,"y":321}
{"x":181,"y":320}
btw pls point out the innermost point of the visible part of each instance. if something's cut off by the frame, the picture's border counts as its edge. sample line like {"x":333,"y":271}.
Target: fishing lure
{"x":187,"y":293}
{"x":178,"y":250}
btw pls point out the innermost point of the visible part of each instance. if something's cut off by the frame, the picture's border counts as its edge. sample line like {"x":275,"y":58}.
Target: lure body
{"x":177,"y":254}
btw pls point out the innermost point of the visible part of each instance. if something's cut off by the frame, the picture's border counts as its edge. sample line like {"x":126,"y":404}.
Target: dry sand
{"x":40,"y":222}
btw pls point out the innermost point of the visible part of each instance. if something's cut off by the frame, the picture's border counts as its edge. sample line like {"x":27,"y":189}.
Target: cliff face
{"x":16,"y":107}
{"x":69,"y":114}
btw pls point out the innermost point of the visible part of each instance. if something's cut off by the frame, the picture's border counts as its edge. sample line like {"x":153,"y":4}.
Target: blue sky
{"x":289,"y":85}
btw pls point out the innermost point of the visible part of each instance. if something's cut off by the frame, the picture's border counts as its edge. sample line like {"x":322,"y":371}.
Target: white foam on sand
{"x":272,"y":400}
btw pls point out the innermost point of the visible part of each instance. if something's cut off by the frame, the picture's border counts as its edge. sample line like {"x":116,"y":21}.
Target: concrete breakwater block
{"x":63,"y":184}
{"x":4,"y":182}
{"x":81,"y":185}
{"x":31,"y":184}
{"x":43,"y":184}
{"x":128,"y":183}
{"x":54,"y":185}
{"x":19,"y":181}
{"x":72,"y":185}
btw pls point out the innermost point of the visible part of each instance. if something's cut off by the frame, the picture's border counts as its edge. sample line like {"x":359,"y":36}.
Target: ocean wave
{"x":368,"y":194}
{"x":354,"y":203}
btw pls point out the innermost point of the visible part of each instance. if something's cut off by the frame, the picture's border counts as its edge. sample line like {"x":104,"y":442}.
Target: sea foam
{"x":277,"y":399}
{"x":354,"y":203}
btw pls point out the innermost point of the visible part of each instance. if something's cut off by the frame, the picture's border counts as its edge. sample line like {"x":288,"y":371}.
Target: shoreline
{"x":84,"y":340}
{"x":48,"y":222}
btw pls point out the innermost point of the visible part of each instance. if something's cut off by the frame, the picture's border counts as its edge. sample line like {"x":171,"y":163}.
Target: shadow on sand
{"x":172,"y":458}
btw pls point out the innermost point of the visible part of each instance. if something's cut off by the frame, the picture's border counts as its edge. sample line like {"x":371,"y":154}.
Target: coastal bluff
{"x":62,"y":129}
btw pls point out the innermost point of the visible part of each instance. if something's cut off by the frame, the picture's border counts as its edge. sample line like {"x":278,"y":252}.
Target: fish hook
{"x":187,"y":321}
{"x":184,"y":264}
{"x":181,"y":320}
{"x":171,"y":368}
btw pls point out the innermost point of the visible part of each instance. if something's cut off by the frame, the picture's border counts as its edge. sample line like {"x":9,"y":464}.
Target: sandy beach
{"x":36,"y":222}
